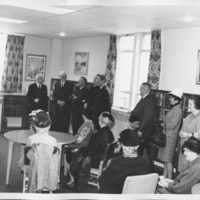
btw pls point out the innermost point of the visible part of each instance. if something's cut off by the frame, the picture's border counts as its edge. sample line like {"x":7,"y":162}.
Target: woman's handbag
{"x":160,"y":139}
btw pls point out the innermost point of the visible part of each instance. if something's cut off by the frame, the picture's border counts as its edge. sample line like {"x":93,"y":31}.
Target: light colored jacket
{"x":44,"y":166}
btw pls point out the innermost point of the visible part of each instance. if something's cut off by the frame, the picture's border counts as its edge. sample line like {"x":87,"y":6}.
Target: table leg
{"x":59,"y":162}
{"x":10,"y":151}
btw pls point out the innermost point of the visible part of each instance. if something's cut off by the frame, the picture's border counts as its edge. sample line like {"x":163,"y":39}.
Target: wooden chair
{"x":140,"y":184}
{"x":95,"y":173}
{"x":41,"y":172}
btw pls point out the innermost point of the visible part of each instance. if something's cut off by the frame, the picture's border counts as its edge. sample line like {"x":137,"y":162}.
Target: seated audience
{"x":101,"y":138}
{"x":43,"y":155}
{"x":83,"y":137}
{"x":90,"y":156}
{"x":190,"y":127}
{"x":128,"y":164}
{"x":190,"y":175}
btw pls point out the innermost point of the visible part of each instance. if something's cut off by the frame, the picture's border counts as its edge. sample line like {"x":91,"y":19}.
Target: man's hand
{"x":139,"y":134}
{"x":36,"y":100}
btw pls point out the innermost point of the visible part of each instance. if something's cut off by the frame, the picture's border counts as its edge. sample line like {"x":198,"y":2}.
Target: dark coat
{"x":102,"y":102}
{"x":35,"y":93}
{"x":98,"y":143}
{"x":113,"y":177}
{"x":144,"y":110}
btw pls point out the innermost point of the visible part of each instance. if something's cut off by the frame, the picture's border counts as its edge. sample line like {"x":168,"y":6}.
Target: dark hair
{"x":147,"y":86}
{"x":133,"y":118}
{"x":88,"y":113}
{"x":42,"y":119}
{"x":84,"y":79}
{"x":196,"y":101}
{"x":175,"y":97}
{"x":107,"y":114}
{"x":103,"y":78}
{"x":192,"y":144}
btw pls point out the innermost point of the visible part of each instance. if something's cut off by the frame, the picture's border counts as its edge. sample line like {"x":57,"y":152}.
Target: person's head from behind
{"x":191,"y":149}
{"x":63,"y":76}
{"x":194,"y":104}
{"x":87,"y":114}
{"x":133,"y":122}
{"x":40,"y":78}
{"x":102,"y":80}
{"x":145,"y":89}
{"x":96,"y":80}
{"x":82,"y":82}
{"x":41,"y":121}
{"x":130,"y":142}
{"x":106,"y":119}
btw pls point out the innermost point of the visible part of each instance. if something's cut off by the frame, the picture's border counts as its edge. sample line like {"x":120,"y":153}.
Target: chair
{"x":95,"y":173}
{"x":41,"y":168}
{"x":140,"y":184}
{"x":196,"y":189}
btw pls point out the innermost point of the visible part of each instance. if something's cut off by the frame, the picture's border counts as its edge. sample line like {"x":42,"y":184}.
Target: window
{"x":132,"y":69}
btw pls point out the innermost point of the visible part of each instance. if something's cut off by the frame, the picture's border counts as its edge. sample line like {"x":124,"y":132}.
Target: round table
{"x":21,"y":137}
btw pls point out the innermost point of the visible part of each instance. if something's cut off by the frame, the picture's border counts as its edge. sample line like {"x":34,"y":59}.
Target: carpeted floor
{"x":16,"y":177}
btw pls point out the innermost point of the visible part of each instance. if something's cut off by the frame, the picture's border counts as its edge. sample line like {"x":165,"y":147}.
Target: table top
{"x":21,"y":136}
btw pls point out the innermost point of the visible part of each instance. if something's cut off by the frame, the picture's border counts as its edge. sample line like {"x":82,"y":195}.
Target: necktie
{"x":39,"y":86}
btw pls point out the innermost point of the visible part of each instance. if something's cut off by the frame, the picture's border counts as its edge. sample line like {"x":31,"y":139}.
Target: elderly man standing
{"x":62,"y":98}
{"x":37,"y":95}
{"x":144,"y":110}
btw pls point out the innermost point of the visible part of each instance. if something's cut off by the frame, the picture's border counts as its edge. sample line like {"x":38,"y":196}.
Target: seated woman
{"x":190,"y":175}
{"x":83,"y":137}
{"x":91,"y":155}
{"x":43,"y":155}
{"x":130,"y":163}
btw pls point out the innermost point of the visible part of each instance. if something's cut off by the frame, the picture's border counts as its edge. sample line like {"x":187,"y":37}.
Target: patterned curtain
{"x":155,"y":59}
{"x":13,"y":65}
{"x":111,"y":65}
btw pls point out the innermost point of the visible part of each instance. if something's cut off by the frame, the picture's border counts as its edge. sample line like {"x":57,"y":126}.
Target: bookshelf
{"x":14,"y":112}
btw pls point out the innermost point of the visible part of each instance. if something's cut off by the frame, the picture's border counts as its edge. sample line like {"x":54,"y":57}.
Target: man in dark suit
{"x":37,"y":95}
{"x":78,"y":101}
{"x":144,"y":110}
{"x":103,"y":100}
{"x":62,"y":98}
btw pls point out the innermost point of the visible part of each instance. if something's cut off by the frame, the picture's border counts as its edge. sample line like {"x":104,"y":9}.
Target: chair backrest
{"x":44,"y":167}
{"x":140,"y":184}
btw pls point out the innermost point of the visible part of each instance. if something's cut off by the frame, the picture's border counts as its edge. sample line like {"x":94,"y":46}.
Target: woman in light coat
{"x":171,"y":126}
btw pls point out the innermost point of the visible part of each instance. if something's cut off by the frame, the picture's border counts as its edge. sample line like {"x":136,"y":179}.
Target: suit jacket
{"x":103,"y":101}
{"x":63,"y":94}
{"x":81,"y":95}
{"x":144,"y":110}
{"x":35,"y":93}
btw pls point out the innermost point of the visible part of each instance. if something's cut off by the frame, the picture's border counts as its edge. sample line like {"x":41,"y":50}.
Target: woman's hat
{"x":192,"y":144}
{"x":177,"y":92}
{"x":133,"y":118}
{"x":42,"y":119}
{"x":129,"y":137}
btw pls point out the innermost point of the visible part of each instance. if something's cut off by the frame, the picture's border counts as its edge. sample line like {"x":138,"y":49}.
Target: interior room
{"x":57,"y":30}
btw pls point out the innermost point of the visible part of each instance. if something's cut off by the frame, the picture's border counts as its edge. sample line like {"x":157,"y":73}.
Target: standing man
{"x":144,"y":110}
{"x":78,"y":101}
{"x":103,"y":100}
{"x":62,"y":99}
{"x":37,"y":95}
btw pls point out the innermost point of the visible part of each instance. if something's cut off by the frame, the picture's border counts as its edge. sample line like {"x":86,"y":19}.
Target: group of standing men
{"x":69,"y":101}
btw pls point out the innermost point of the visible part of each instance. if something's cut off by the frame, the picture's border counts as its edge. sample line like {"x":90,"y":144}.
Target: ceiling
{"x":85,"y":18}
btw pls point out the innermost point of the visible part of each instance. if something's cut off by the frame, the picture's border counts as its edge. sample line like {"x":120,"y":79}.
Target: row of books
{"x":162,"y":99}
{"x":13,"y":112}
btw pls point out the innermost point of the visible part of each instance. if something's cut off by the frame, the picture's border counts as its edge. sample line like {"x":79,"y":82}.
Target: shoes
{"x":69,"y":185}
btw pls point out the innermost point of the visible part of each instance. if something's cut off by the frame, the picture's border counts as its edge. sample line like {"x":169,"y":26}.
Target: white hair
{"x":129,"y":151}
{"x":62,"y":73}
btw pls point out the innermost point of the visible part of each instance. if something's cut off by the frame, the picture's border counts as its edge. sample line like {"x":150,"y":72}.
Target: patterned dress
{"x":172,"y":122}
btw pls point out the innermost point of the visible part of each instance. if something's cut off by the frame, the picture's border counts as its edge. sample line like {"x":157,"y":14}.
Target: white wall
{"x":179,"y":59}
{"x":43,"y":46}
{"x":97,"y":48}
